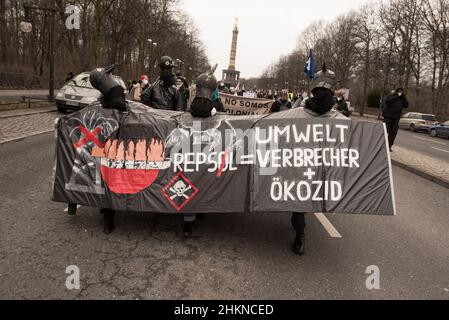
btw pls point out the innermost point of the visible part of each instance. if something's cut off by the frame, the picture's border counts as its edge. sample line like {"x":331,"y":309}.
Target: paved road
{"x":231,"y":256}
{"x":420,"y":142}
{"x":437,"y":148}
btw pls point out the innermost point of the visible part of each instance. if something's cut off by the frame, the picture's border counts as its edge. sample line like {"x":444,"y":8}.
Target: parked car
{"x":78,"y":93}
{"x":414,"y":121}
{"x":440,"y":130}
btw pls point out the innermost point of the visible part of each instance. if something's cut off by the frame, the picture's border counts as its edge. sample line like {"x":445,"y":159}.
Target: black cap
{"x":166,"y":63}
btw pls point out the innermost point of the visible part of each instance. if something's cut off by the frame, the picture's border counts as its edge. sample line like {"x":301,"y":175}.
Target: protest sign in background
{"x":160,"y":161}
{"x":236,"y":105}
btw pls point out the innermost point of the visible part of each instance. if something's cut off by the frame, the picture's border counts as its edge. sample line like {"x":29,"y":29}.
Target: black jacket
{"x":281,"y":105}
{"x":158,"y":96}
{"x":185,"y":96}
{"x":393,"y":106}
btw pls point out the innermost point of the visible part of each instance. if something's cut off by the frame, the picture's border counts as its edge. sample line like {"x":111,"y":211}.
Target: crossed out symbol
{"x":89,"y":136}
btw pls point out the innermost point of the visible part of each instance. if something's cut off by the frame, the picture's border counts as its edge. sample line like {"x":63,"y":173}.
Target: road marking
{"x":428,"y":140}
{"x":328,"y":225}
{"x":67,"y":209}
{"x":440,"y":150}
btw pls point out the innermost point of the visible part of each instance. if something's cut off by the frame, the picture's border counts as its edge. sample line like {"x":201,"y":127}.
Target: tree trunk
{"x":365,"y":82}
{"x":97,"y":32}
{"x":3,"y":34}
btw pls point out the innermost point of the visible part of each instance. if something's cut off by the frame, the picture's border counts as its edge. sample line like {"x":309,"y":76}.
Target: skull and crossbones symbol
{"x":179,"y":190}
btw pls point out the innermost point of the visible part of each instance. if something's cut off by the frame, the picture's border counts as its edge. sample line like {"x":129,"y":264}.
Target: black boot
{"x":108,"y":221}
{"x":299,"y":246}
{"x":187,"y":230}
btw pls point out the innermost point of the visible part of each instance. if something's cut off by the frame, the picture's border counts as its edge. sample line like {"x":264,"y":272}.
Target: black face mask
{"x":114,"y":99}
{"x":201,"y":107}
{"x":322,"y":102}
{"x":168,"y":77}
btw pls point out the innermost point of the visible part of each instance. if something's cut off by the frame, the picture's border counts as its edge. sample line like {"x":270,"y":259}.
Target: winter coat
{"x":394,"y":105}
{"x":185,"y":96}
{"x":158,"y":96}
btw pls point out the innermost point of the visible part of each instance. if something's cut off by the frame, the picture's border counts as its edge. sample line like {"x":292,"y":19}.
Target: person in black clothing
{"x":183,"y":88}
{"x":318,"y":106}
{"x":392,"y":112}
{"x":113,"y":97}
{"x":205,"y":104}
{"x":281,"y":104}
{"x":163,"y":94}
{"x":207,"y":100}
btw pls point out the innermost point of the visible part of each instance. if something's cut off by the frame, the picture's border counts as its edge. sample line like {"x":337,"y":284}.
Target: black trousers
{"x":392,"y":129}
{"x":298,"y":221}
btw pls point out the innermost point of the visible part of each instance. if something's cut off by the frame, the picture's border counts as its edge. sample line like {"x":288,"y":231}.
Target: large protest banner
{"x":236,"y":105}
{"x":160,"y":161}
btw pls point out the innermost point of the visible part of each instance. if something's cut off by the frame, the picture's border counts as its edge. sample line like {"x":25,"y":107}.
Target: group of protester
{"x":171,"y":92}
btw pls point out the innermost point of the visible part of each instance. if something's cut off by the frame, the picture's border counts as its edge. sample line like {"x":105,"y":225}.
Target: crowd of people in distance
{"x":176,"y":87}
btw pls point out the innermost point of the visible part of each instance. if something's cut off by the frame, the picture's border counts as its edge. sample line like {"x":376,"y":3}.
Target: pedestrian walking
{"x":392,"y":112}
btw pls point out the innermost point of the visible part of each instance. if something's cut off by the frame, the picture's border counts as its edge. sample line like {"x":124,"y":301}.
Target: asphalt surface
{"x":435,"y":147}
{"x":238,"y":256}
{"x":421,"y":142}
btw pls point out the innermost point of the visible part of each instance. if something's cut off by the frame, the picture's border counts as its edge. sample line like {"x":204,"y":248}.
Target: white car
{"x":415,"y":121}
{"x":78,"y":93}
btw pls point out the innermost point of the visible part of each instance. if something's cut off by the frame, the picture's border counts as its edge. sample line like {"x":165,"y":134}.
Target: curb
{"x":25,"y":137}
{"x":422,"y":174}
{"x":26,"y":114}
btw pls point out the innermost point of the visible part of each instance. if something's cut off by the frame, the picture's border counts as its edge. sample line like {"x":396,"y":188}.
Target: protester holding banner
{"x":205,"y":104}
{"x":112,"y":97}
{"x":318,"y":106}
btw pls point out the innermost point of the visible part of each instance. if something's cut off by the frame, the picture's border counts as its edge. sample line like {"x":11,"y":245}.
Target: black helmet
{"x":206,"y":84}
{"x":166,"y":62}
{"x":325,"y":79}
{"x":102,"y":79}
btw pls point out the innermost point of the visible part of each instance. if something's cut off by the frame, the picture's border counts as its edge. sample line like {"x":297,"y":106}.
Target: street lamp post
{"x":153,"y":46}
{"x":26,"y":27}
{"x":150,"y":42}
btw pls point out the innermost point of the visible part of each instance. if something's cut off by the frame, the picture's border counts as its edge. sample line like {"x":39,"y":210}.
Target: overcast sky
{"x":268,"y":28}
